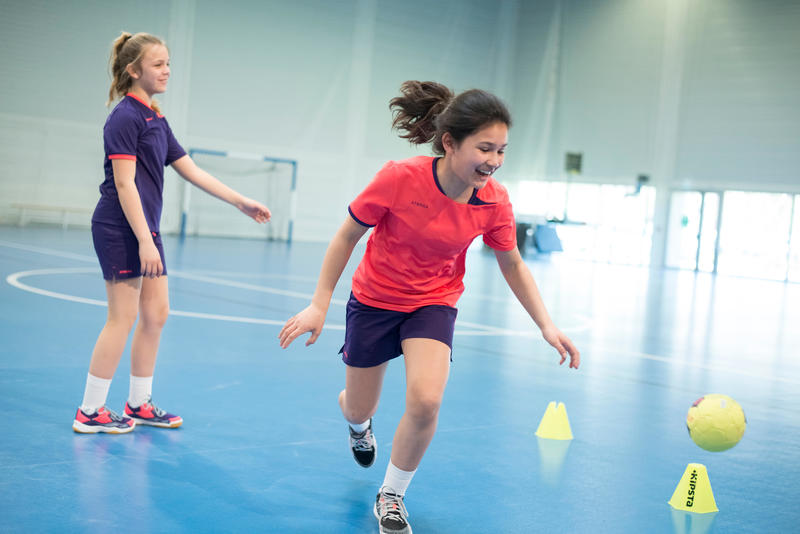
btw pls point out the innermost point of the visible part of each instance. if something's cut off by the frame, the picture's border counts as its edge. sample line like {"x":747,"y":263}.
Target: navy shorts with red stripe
{"x":374,"y":335}
{"x":118,"y":251}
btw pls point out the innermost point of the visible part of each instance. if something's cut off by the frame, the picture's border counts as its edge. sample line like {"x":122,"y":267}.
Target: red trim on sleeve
{"x":122,"y":156}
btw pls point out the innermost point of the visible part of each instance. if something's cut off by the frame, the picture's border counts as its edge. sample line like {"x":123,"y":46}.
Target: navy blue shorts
{"x":373,"y":335}
{"x":118,"y":251}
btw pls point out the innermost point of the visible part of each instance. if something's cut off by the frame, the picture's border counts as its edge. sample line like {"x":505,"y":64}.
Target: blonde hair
{"x":128,"y":49}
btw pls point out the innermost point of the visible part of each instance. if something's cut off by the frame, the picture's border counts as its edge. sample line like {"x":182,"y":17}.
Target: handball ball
{"x":716,"y":422}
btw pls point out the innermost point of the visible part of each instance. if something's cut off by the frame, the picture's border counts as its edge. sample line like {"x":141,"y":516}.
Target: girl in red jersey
{"x":425,"y":212}
{"x":125,"y":229}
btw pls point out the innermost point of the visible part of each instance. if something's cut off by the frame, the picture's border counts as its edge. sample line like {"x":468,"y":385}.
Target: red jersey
{"x":415,"y":254}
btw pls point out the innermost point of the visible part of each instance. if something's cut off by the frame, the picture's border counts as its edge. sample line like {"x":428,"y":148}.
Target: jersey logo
{"x":420,"y":204}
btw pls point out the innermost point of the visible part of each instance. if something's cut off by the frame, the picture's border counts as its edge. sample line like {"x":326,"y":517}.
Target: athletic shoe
{"x":391,"y":512}
{"x":102,"y":420}
{"x":150,"y":414}
{"x":363,"y":445}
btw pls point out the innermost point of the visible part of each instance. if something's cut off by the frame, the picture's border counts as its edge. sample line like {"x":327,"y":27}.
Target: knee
{"x":359,"y":414}
{"x":424,"y":407}
{"x":121,"y":319}
{"x":154,"y":317}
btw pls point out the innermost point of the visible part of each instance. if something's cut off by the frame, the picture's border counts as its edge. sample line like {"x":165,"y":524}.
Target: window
{"x":754,"y":235}
{"x":604,"y":222}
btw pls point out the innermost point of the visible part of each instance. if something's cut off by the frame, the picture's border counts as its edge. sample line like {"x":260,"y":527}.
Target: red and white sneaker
{"x":103,"y":420}
{"x":150,"y":414}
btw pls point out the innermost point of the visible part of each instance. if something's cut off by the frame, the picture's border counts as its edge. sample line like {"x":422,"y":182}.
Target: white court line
{"x":14,"y":280}
{"x":706,"y":367}
{"x":476,"y":328}
{"x":252,"y":287}
{"x":48,"y":251}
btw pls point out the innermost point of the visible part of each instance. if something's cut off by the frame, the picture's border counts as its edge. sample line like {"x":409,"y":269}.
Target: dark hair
{"x":426,"y":110}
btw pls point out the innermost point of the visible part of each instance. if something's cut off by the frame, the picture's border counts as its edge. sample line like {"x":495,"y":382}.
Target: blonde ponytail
{"x":128,"y":49}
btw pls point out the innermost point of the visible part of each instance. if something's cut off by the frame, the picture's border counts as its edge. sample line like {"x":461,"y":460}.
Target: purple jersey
{"x":136,"y":132}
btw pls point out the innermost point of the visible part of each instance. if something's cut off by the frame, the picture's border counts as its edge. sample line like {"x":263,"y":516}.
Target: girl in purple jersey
{"x":125,"y":229}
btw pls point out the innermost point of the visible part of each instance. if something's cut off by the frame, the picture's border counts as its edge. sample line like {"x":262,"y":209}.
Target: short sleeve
{"x":121,"y":135}
{"x":174,"y":150}
{"x":502,"y":235}
{"x":372,"y":204}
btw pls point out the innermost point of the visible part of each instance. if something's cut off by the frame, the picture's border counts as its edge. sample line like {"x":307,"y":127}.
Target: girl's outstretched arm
{"x":190,"y":172}
{"x":312,"y":318}
{"x":521,"y":282}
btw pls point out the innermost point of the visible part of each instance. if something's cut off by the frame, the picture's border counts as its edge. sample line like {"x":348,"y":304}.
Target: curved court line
{"x":14,"y":280}
{"x":48,"y":251}
{"x":696,"y":365}
{"x":477,"y":329}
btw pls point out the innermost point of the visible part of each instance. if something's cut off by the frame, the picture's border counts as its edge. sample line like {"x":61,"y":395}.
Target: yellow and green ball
{"x":716,"y":422}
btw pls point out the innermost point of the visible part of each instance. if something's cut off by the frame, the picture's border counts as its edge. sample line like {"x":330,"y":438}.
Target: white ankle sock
{"x":95,"y":394}
{"x":140,"y":391}
{"x":361,"y":427}
{"x":397,"y":479}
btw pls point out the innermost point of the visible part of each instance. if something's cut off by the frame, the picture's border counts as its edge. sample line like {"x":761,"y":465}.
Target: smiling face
{"x":472,"y":161}
{"x":152,"y":72}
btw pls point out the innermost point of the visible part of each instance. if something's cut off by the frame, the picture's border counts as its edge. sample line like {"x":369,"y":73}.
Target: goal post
{"x":269,"y":180}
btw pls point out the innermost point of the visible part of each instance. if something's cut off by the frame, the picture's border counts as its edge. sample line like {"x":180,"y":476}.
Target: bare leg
{"x":123,"y":306}
{"x":359,"y":399}
{"x":427,"y":370}
{"x":153,"y":312}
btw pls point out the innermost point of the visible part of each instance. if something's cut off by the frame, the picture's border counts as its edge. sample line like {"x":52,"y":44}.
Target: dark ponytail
{"x":426,"y":110}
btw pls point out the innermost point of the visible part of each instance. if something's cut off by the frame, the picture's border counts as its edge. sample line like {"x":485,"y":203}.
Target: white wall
{"x":725,"y":72}
{"x":700,"y":97}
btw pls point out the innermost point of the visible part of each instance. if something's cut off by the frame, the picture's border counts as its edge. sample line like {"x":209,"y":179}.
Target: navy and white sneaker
{"x":102,"y":420}
{"x":390,"y":511}
{"x":363,"y":445}
{"x":150,"y":414}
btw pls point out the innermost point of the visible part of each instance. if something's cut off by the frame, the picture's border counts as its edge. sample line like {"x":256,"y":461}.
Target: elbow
{"x":124,"y":185}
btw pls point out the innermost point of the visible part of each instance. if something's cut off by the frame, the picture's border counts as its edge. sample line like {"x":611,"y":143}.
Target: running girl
{"x":425,"y":212}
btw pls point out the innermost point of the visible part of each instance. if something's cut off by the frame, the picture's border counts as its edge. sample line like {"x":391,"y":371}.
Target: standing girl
{"x":425,"y":212}
{"x":125,"y":228}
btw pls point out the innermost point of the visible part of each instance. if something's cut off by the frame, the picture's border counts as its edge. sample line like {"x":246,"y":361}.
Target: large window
{"x":758,"y":233}
{"x":794,"y":247}
{"x":754,"y":235}
{"x":692,"y":230}
{"x":601,"y":222}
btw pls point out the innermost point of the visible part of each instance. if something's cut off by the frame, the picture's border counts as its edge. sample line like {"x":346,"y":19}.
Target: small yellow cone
{"x":555,"y":423}
{"x":693,"y":493}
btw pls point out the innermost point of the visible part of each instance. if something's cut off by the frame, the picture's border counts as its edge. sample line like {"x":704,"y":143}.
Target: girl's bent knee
{"x":424,"y":409}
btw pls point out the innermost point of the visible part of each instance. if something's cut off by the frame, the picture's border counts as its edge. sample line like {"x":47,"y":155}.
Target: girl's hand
{"x":309,"y":320}
{"x":257,"y":211}
{"x":150,"y":260}
{"x":563,"y":345}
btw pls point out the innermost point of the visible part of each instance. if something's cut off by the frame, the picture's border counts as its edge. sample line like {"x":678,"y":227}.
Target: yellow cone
{"x":555,"y":423}
{"x":693,"y":493}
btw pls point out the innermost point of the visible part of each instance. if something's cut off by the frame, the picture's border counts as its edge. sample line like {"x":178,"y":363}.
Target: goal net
{"x":268,"y":180}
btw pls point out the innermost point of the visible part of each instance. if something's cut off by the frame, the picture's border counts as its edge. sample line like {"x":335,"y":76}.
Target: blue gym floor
{"x":264,"y":447}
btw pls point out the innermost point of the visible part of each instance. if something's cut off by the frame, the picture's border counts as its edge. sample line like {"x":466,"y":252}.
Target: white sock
{"x":360,"y":427}
{"x":95,"y":394}
{"x":140,"y":391}
{"x":397,"y":479}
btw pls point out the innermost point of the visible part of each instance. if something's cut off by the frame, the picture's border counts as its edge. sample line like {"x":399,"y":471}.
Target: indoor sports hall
{"x":653,"y":169}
